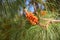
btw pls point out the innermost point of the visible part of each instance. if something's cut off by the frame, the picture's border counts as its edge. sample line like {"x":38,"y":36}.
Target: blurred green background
{"x":14,"y":26}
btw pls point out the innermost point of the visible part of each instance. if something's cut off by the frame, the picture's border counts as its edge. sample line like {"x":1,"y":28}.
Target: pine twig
{"x":45,"y":26}
{"x":52,"y":20}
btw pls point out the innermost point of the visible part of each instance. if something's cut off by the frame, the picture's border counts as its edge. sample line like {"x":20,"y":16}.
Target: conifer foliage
{"x":14,"y":26}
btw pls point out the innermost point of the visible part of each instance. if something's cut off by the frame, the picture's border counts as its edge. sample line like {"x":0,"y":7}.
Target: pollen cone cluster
{"x":31,"y":18}
{"x":43,"y":13}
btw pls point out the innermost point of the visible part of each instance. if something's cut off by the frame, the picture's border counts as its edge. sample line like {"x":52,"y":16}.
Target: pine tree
{"x":14,"y":26}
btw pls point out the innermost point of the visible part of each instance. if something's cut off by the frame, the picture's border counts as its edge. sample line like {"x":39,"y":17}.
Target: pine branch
{"x":45,"y":26}
{"x":51,"y":20}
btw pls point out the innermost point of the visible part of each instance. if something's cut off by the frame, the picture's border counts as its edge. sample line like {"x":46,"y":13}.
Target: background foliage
{"x":14,"y":26}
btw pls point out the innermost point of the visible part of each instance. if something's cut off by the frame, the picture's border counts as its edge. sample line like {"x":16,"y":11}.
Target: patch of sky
{"x":27,"y":2}
{"x":31,"y":7}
